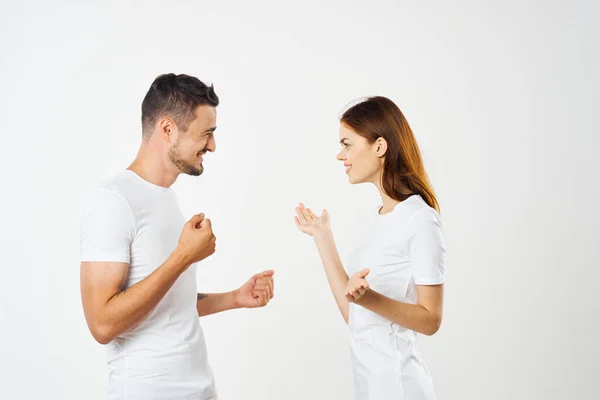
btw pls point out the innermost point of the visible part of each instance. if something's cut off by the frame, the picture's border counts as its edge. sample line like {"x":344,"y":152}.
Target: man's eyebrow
{"x":209,"y":130}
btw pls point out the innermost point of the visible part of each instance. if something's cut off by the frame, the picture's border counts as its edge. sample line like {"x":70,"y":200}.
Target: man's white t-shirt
{"x":133,"y":221}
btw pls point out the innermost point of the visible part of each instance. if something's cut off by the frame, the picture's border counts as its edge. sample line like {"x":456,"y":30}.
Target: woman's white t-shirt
{"x":402,"y":249}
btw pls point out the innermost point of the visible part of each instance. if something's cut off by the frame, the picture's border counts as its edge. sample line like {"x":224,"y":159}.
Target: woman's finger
{"x":305,"y":213}
{"x":300,"y":216}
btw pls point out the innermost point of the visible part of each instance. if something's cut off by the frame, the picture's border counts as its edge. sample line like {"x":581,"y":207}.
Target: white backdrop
{"x":502,"y":97}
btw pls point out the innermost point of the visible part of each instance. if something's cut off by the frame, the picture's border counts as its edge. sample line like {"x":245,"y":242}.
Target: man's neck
{"x":152,"y":169}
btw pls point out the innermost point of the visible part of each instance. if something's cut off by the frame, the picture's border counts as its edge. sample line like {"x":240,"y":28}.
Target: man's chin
{"x":196,"y":172}
{"x":193,"y":170}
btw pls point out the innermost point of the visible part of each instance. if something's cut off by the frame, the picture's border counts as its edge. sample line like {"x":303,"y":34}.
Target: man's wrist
{"x":180,"y":260}
{"x":234,"y":299}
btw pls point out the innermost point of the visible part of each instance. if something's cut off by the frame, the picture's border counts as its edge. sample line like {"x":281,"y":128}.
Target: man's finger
{"x":264,"y":287}
{"x":262,"y":299}
{"x":205,"y":223}
{"x":264,"y":274}
{"x":265,"y":280}
{"x":261,"y":288}
{"x":196,"y":219}
{"x":271,"y":283}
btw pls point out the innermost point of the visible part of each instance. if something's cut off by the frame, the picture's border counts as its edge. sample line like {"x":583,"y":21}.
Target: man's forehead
{"x":206,"y":111}
{"x":205,"y":118}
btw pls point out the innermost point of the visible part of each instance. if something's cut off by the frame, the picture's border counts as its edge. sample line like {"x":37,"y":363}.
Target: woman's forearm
{"x":412,"y":316}
{"x":334,"y":270}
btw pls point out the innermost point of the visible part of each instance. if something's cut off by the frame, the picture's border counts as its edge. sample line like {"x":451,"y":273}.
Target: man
{"x":138,"y":255}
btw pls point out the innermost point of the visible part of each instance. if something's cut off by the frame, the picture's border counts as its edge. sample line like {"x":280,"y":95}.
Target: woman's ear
{"x":380,"y":147}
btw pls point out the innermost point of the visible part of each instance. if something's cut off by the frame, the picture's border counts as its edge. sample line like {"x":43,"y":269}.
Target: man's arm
{"x":110,"y":311}
{"x":256,"y":292}
{"x":213,"y":303}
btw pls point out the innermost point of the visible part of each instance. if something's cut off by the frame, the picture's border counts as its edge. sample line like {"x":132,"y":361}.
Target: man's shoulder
{"x":112,"y":191}
{"x":117,"y":183}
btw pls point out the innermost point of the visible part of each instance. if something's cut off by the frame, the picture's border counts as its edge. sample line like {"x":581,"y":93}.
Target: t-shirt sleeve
{"x":427,"y":248}
{"x":107,"y":228}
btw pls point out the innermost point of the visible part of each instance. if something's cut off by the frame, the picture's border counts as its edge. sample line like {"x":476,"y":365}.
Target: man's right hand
{"x":109,"y":311}
{"x":197,"y":240}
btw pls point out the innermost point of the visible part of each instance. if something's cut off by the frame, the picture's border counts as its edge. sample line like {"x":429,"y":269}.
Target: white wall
{"x":503,"y":99}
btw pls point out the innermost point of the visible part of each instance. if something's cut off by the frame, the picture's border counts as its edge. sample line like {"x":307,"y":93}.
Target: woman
{"x":396,"y":287}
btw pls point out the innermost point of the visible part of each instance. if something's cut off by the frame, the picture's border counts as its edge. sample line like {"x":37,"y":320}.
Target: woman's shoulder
{"x":420,"y":212}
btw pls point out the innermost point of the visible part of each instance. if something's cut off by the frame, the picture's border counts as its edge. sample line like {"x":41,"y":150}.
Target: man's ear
{"x":167,"y":129}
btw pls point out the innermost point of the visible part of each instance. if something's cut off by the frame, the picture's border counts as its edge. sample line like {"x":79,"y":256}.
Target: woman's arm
{"x":336,"y":275}
{"x":424,"y":317}
{"x":319,"y":228}
{"x":427,"y":255}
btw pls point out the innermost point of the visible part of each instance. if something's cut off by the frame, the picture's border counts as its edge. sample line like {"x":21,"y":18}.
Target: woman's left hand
{"x":357,"y":286}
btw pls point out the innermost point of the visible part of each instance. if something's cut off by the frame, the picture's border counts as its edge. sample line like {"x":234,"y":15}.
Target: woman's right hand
{"x":309,"y":223}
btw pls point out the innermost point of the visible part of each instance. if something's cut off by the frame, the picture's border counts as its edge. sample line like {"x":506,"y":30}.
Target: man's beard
{"x":183,"y":165}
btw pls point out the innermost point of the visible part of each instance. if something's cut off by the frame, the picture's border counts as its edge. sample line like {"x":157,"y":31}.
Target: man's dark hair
{"x":177,"y":97}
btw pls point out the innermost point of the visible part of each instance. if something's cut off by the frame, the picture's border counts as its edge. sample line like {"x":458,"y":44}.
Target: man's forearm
{"x":334,"y":270}
{"x":129,"y":307}
{"x":213,"y":303}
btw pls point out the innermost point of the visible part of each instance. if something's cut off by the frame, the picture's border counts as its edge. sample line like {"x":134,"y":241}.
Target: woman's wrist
{"x":323,"y":236}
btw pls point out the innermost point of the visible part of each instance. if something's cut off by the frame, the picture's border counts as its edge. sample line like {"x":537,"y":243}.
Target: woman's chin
{"x":353,"y":180}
